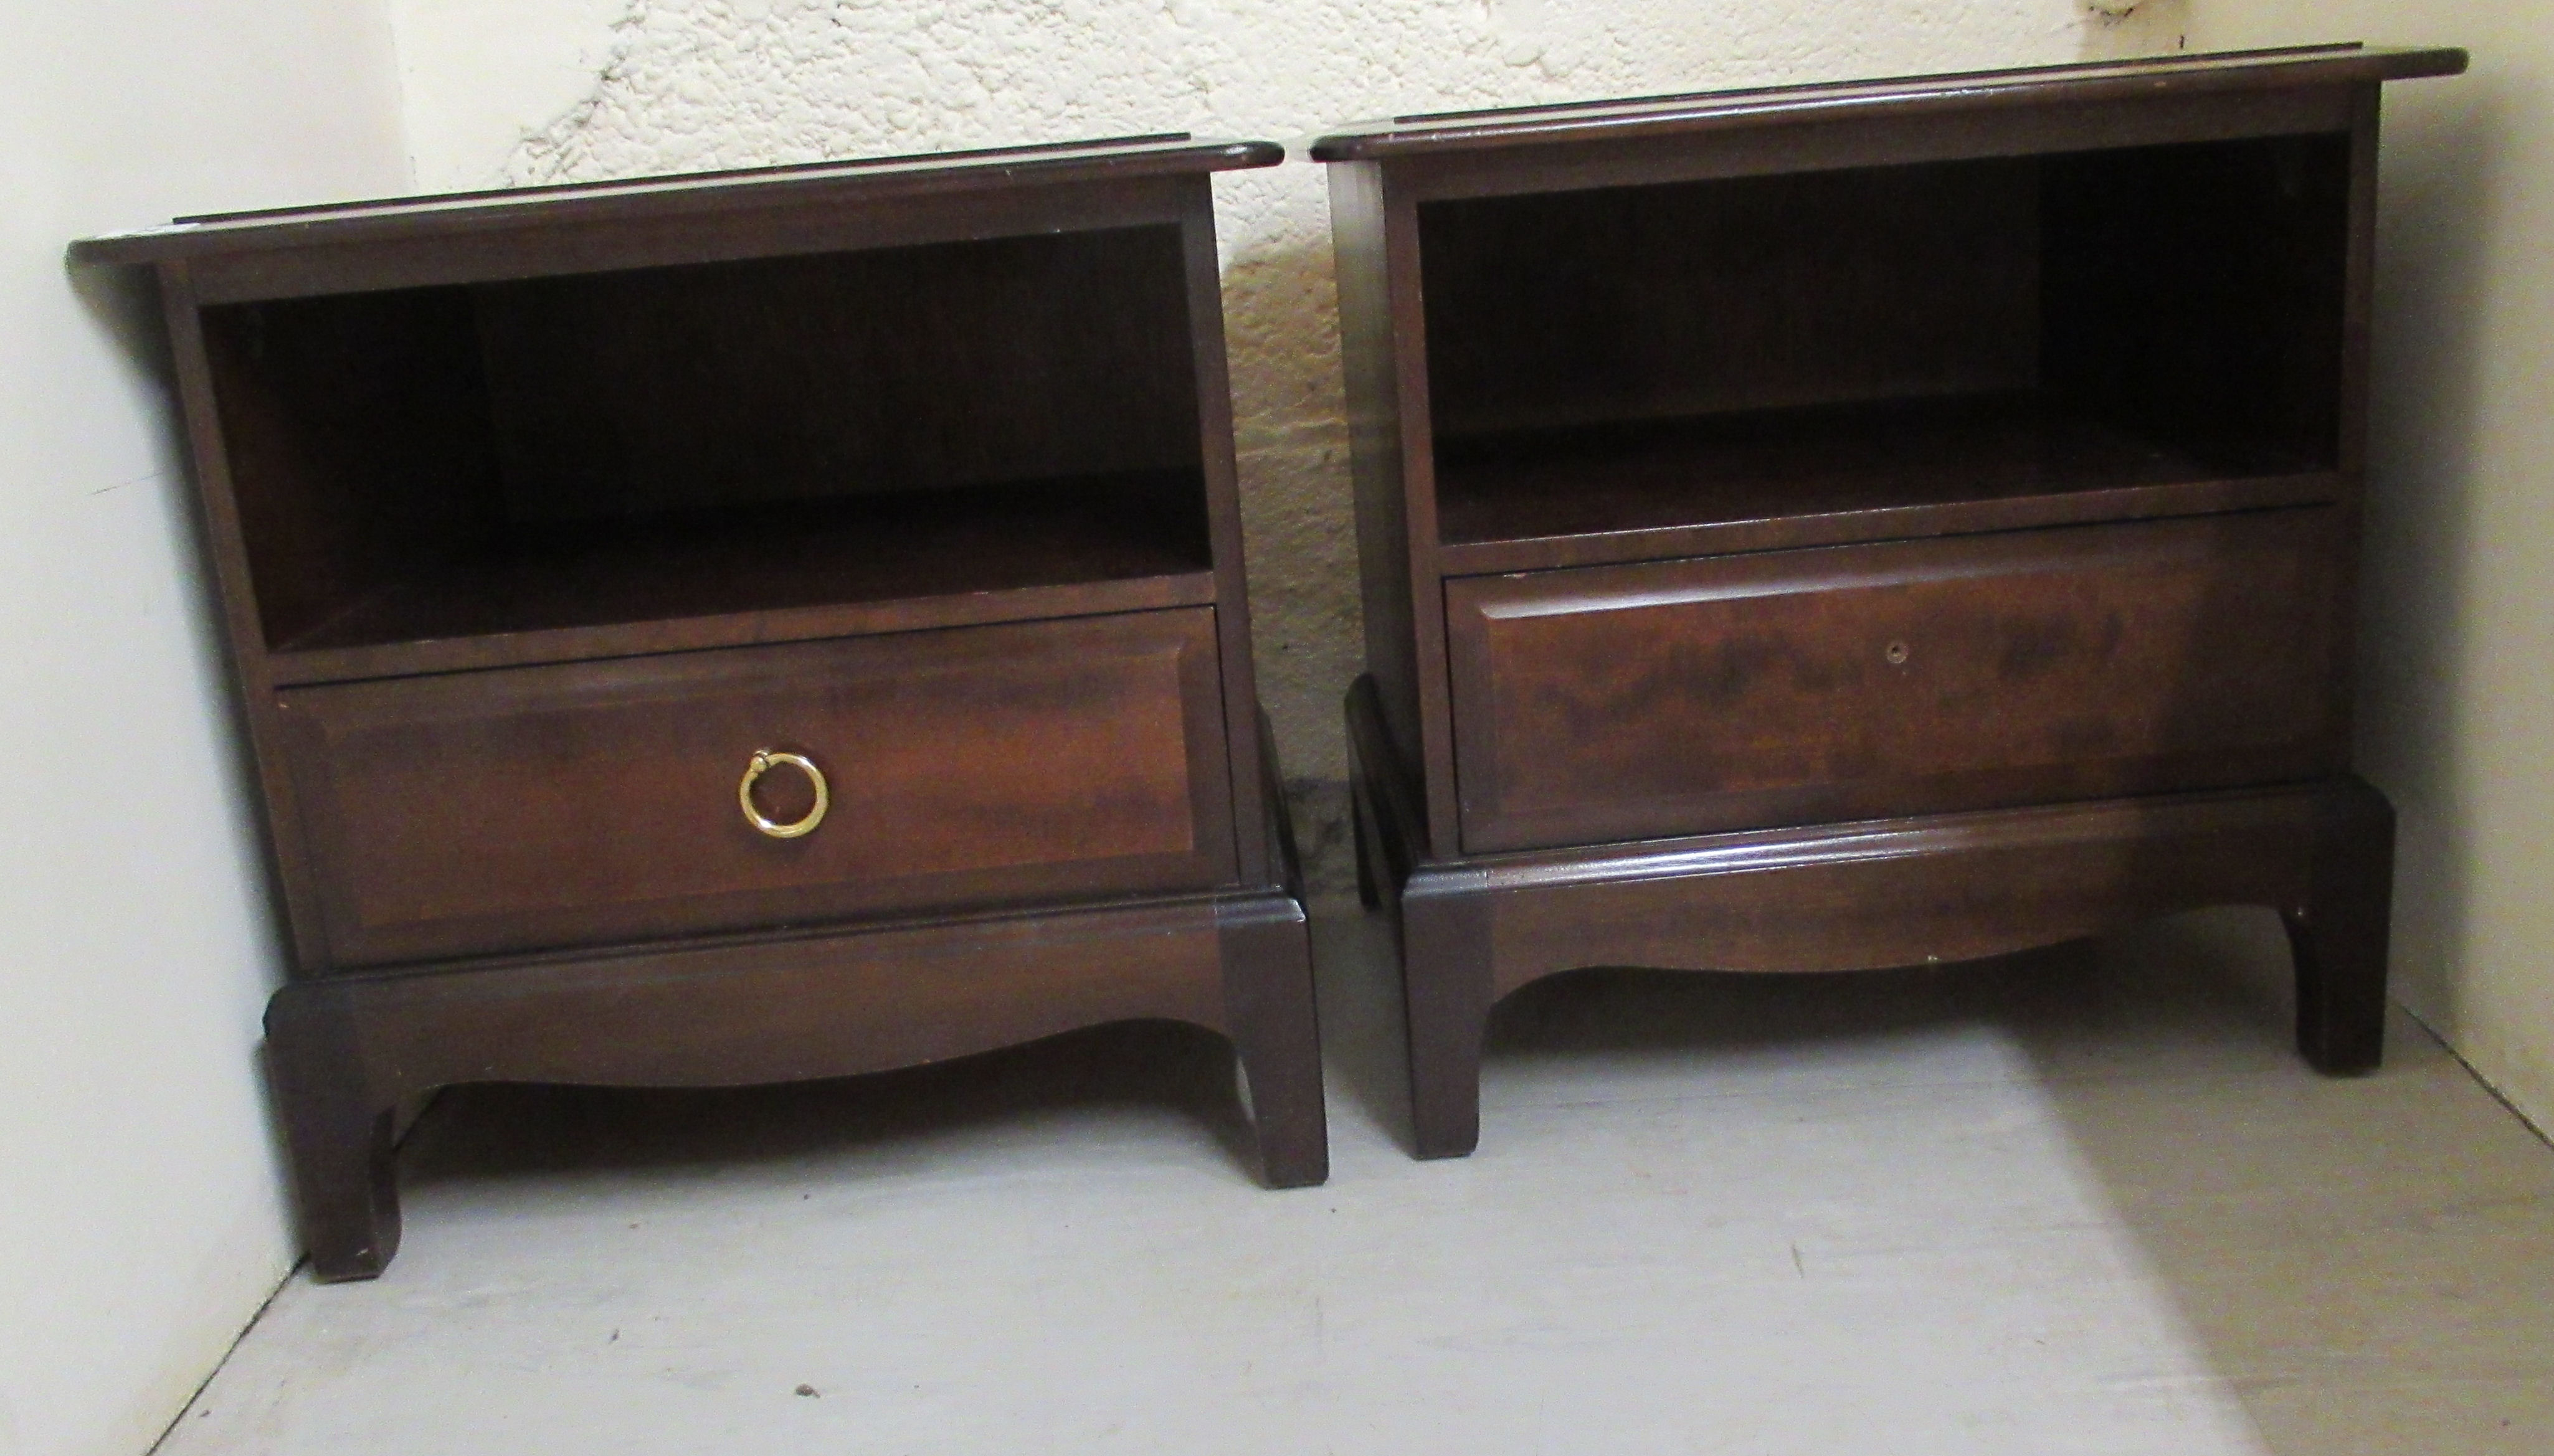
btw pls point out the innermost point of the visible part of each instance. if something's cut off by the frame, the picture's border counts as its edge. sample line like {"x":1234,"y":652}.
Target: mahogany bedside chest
{"x":1862,"y":526}
{"x":737,"y":629}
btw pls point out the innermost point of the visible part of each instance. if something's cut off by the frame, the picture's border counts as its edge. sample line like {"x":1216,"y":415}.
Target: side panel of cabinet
{"x":1688,"y":697}
{"x":598,"y":802}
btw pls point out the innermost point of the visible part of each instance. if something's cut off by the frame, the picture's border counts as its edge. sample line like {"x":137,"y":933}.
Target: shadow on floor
{"x":2367,"y":1264}
{"x":2358,"y":1266}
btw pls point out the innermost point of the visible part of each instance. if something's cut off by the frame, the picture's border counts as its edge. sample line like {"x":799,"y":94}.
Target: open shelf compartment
{"x":1684,"y":367}
{"x":966,"y":430}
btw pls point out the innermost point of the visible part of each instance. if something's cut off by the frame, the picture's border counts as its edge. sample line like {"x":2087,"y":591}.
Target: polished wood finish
{"x":1862,"y":682}
{"x":698,"y":441}
{"x":1551,"y":310}
{"x":593,"y":803}
{"x":1849,"y":525}
{"x":348,"y":1049}
{"x":536,"y":515}
{"x":1869,"y":895}
{"x":2010,"y":95}
{"x":1017,"y":564}
{"x":1821,"y":476}
{"x":707,"y":217}
{"x":794,"y":378}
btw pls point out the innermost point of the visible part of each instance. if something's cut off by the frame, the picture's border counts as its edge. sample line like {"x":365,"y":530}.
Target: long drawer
{"x":606,"y":801}
{"x":1794,"y":687}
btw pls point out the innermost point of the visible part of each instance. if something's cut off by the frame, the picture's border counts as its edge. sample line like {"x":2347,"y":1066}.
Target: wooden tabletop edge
{"x":1777,"y":104}
{"x":885,"y":177}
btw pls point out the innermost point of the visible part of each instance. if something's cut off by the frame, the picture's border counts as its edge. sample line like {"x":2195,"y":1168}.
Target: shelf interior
{"x":1807,"y":461}
{"x":670,"y":443}
{"x":1688,"y":354}
{"x":846,"y":551}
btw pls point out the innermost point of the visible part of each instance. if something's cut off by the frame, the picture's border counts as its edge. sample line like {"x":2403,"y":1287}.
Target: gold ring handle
{"x":762,"y":762}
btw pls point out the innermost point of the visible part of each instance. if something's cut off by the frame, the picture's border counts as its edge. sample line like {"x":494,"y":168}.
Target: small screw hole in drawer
{"x":1897,"y":654}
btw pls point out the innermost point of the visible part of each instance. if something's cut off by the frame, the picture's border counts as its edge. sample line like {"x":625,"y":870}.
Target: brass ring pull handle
{"x":762,"y":762}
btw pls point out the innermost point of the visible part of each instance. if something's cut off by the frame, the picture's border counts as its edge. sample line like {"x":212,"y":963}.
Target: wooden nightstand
{"x":741,"y":628}
{"x":1852,"y":526}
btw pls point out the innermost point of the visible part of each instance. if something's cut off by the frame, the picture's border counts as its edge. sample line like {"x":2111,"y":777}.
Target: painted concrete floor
{"x":2083,"y":1200}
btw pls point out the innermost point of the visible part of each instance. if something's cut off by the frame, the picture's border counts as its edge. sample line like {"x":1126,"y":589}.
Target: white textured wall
{"x":2457,"y":650}
{"x":673,"y":85}
{"x":140,"y":1225}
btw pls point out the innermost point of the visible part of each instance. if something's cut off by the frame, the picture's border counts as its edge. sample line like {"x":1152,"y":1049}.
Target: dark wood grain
{"x":884,"y":184}
{"x":1047,"y":548}
{"x":1871,"y":895}
{"x":1552,"y":309}
{"x":1874,"y":894}
{"x":2341,"y":927}
{"x":1268,"y":989}
{"x":1415,"y":455}
{"x":338,"y":1123}
{"x":596,"y":802}
{"x":534,"y":515}
{"x":1373,"y":356}
{"x":766,"y":1008}
{"x":1940,"y":495}
{"x":663,"y":235}
{"x":1828,"y":475}
{"x":785,"y":1007}
{"x":1819,"y":141}
{"x":2359,"y":293}
{"x":843,"y":374}
{"x":1635,"y":702}
{"x":227,"y":553}
{"x":357,"y":445}
{"x":1276,"y":1032}
{"x":761,"y":625}
{"x":1832,"y":342}
{"x":1878,"y":104}
{"x":1445,"y":956}
{"x":1251,"y":753}
{"x":717,"y":439}
{"x":1441,"y":926}
{"x":2197,"y":292}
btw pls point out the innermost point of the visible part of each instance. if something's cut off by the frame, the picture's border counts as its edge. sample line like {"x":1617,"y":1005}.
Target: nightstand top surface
{"x":1699,"y":112}
{"x":849,"y":182}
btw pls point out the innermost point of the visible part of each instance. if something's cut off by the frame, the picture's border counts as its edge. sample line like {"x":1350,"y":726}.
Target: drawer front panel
{"x":598,"y":802}
{"x":1791,"y":687}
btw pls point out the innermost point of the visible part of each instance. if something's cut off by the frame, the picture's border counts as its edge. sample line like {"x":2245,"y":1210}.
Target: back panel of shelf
{"x":1693,"y":354}
{"x":627,"y":447}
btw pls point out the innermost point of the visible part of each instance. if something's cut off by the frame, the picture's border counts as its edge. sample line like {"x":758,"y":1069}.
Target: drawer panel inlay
{"x":1688,"y":696}
{"x":600,"y":800}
